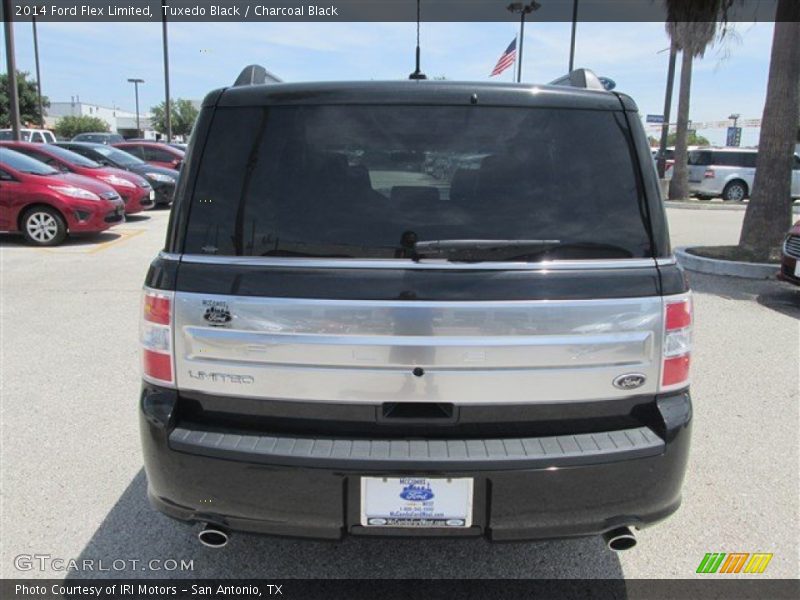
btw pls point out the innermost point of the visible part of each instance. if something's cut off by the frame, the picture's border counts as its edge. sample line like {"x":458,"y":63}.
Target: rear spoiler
{"x":586,"y":79}
{"x":255,"y":75}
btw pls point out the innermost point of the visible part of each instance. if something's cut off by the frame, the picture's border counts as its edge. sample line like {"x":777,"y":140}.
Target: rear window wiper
{"x":476,"y":250}
{"x":435,"y":246}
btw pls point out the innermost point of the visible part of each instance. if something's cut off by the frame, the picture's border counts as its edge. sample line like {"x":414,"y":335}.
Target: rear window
{"x":486,"y":183}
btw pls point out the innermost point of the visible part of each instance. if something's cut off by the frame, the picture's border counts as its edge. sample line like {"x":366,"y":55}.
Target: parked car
{"x":100,"y":137}
{"x":46,"y":205}
{"x":155,"y":153}
{"x":729,"y":173}
{"x":162,"y":180}
{"x":37,"y":136}
{"x":790,"y":257}
{"x":135,"y":191}
{"x":334,"y":343}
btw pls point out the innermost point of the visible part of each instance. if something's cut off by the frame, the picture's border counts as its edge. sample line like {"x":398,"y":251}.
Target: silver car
{"x":728,"y":173}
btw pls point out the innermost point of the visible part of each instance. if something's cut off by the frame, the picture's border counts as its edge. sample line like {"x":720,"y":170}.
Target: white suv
{"x":729,"y":173}
{"x":37,"y":136}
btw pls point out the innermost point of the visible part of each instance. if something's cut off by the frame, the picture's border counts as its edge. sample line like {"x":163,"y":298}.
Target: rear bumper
{"x":706,"y":187}
{"x":786,"y":272}
{"x":525,"y":488}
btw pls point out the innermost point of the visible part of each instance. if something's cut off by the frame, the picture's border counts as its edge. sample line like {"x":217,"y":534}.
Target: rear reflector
{"x":709,"y":174}
{"x":676,"y":370}
{"x":156,"y":365}
{"x":156,"y":337}
{"x":677,"y":343}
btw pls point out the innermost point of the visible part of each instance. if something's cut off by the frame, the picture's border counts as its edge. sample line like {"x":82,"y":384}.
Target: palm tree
{"x":769,"y":212}
{"x":692,"y":27}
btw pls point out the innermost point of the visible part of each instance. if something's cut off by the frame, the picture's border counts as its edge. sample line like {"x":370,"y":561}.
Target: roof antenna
{"x":417,"y":74}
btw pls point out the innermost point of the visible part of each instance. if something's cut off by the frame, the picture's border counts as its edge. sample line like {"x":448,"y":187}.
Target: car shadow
{"x":76,"y":240}
{"x":133,"y":530}
{"x":772,"y":294}
{"x":137,"y":218}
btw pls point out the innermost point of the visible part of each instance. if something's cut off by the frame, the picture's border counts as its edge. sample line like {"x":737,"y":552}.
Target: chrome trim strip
{"x":428,"y":264}
{"x":169,"y":256}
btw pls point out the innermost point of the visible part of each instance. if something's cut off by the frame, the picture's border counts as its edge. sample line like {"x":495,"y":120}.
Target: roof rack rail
{"x":255,"y":75}
{"x":581,"y":78}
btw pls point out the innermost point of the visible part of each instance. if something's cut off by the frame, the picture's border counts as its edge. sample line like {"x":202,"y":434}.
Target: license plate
{"x":416,"y":502}
{"x":797,"y":269}
{"x":152,"y":194}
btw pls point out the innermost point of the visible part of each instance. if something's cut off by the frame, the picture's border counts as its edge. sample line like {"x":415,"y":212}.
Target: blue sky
{"x":93,"y":60}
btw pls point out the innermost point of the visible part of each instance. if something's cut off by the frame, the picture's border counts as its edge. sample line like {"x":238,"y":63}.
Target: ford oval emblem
{"x":416,"y":493}
{"x":630,"y":381}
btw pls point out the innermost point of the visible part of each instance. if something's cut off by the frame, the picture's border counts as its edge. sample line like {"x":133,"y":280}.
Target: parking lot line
{"x":124,"y":236}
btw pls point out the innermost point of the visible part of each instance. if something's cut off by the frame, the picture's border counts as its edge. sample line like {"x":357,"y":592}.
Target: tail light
{"x":677,"y":343}
{"x":156,"y":337}
{"x":709,"y":174}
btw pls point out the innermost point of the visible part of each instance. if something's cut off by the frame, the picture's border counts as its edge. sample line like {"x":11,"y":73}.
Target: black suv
{"x":417,"y":308}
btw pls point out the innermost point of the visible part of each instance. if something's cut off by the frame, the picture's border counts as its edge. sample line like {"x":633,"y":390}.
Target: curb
{"x":729,"y":268}
{"x":711,"y":205}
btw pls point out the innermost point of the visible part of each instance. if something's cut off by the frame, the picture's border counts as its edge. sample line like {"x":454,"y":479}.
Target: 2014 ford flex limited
{"x":417,"y":308}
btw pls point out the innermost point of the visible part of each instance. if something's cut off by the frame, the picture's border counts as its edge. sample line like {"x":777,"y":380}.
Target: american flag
{"x":506,"y":59}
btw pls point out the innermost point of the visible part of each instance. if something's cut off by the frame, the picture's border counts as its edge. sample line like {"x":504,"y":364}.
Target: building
{"x":119,"y":120}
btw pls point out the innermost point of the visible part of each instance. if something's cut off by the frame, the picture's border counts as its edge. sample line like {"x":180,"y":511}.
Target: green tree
{"x":692,"y":27}
{"x":182,"y":113}
{"x":692,"y":139}
{"x":69,"y":127}
{"x":769,"y":212}
{"x":28,"y":102}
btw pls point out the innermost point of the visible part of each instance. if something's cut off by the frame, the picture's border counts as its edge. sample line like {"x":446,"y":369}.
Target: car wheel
{"x":44,"y":226}
{"x":735,"y":191}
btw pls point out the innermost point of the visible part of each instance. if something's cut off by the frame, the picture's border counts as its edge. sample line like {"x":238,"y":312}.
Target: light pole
{"x":522,"y":9}
{"x":136,"y":83}
{"x":167,"y":109}
{"x":38,"y":74}
{"x":662,"y":150}
{"x":735,"y":118}
{"x":11,"y":63}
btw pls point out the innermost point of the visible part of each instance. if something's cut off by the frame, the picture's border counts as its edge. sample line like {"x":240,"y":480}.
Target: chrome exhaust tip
{"x":619,"y":539}
{"x":213,"y":536}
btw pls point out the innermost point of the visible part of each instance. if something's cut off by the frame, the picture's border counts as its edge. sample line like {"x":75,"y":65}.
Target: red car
{"x":135,"y":191}
{"x":790,"y":257}
{"x":160,"y":155}
{"x":46,"y":205}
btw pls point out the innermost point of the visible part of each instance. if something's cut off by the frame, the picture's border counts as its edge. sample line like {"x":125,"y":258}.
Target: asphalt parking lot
{"x":73,"y":485}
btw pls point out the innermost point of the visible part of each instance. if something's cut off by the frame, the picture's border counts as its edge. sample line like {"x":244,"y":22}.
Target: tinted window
{"x":157,"y":154}
{"x":137,"y":151}
{"x":734,"y":159}
{"x":117,"y":156}
{"x":25,"y":164}
{"x":48,"y":160}
{"x":70,"y":157}
{"x":700,"y":157}
{"x":350,"y":181}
